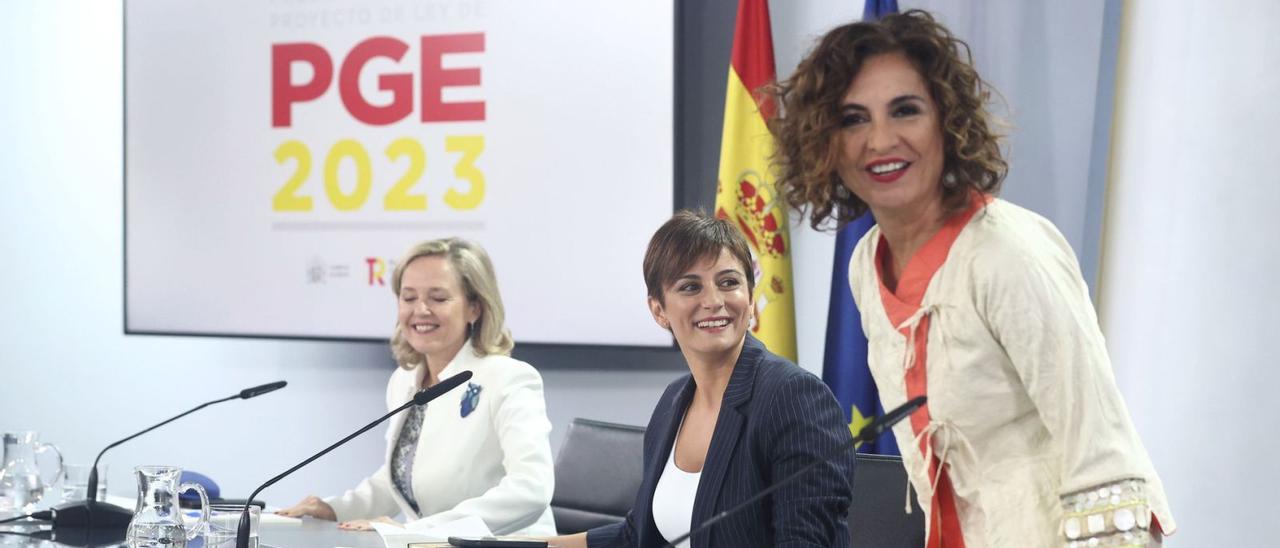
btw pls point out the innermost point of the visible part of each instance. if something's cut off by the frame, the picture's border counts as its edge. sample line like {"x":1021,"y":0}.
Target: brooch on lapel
{"x":471,"y":399}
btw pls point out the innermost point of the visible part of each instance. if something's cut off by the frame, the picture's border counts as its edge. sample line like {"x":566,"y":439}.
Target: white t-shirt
{"x":673,"y":498}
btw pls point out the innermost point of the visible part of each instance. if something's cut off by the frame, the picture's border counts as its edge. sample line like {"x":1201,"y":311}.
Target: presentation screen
{"x":281,"y":155}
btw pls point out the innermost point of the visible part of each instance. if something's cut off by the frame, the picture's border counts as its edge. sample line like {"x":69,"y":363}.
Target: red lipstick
{"x":898,"y":168}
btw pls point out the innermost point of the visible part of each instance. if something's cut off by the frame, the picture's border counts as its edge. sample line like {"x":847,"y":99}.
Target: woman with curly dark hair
{"x":975,"y":302}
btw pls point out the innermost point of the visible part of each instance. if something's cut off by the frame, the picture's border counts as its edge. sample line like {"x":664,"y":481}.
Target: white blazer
{"x":495,"y":463}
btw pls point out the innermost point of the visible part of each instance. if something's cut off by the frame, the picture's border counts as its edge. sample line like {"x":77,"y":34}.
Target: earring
{"x":949,"y":180}
{"x":842,"y":193}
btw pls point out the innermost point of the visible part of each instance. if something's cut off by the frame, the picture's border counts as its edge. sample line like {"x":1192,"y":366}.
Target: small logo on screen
{"x":316,"y":271}
{"x":319,"y":271}
{"x":379,"y":271}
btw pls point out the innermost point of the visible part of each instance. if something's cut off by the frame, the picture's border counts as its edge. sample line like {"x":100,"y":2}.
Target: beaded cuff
{"x":1115,"y":514}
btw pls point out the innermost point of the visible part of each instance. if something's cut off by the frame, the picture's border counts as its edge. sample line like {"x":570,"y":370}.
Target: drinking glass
{"x":75,"y":482}
{"x":224,"y":522}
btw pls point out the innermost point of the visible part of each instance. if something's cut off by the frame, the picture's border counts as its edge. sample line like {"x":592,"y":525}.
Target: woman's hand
{"x":310,"y":506}
{"x":366,"y":524}
{"x":569,"y":541}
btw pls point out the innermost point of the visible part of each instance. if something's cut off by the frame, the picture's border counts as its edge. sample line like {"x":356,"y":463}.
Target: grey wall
{"x":1188,"y":285}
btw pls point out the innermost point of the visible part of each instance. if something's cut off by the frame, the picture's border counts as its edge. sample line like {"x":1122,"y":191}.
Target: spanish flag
{"x":746,"y":194}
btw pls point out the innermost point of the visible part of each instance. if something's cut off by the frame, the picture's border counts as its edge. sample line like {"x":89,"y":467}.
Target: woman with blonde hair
{"x":498,"y":466}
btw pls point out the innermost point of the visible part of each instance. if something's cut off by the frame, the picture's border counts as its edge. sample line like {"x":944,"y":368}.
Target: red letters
{"x":283,"y":92}
{"x":376,"y":269}
{"x":400,"y":85}
{"x":434,"y":78}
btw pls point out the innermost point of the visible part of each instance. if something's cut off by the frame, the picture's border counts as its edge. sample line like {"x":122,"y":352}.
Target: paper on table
{"x":396,"y":537}
{"x":272,"y":518}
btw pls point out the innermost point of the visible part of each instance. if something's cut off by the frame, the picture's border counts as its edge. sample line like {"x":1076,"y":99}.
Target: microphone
{"x":868,"y":433}
{"x":426,"y":395}
{"x":881,"y":424}
{"x":90,"y":513}
{"x":260,"y":390}
{"x":421,"y":398}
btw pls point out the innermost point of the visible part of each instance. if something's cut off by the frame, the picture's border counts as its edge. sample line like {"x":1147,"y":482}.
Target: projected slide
{"x":280,"y":155}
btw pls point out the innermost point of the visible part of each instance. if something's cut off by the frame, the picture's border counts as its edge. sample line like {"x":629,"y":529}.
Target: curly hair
{"x":489,"y":334}
{"x":807,"y":127}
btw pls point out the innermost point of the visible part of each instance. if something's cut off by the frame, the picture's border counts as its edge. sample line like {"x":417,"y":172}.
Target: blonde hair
{"x":488,"y":333}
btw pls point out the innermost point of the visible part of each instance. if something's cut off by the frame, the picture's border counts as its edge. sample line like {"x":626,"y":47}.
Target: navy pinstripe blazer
{"x":775,"y":419}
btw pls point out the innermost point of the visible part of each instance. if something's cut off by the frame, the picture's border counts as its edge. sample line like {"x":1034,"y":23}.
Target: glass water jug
{"x":158,"y":520}
{"x":21,"y":485}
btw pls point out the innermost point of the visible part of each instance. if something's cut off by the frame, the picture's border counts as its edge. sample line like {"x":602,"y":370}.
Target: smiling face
{"x":891,"y":143}
{"x":434,"y":310}
{"x":708,"y":308}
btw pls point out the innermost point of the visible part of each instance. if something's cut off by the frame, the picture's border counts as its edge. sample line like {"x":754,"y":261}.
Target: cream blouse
{"x":1023,"y":409}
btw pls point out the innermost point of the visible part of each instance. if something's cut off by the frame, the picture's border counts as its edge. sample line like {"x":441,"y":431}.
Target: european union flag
{"x":875,"y":9}
{"x":844,"y":366}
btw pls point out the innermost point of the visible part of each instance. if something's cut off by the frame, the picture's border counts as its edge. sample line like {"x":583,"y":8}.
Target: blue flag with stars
{"x":844,"y":366}
{"x":875,"y":9}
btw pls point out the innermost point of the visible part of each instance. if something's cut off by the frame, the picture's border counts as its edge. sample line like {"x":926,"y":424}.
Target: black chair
{"x":876,"y":517}
{"x":598,"y":472}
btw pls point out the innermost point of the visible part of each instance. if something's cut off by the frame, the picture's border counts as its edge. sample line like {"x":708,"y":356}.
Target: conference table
{"x":315,"y":532}
{"x":311,"y":533}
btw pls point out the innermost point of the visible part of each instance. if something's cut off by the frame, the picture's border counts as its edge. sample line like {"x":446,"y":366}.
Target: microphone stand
{"x":92,"y":514}
{"x":421,"y":398}
{"x":868,"y":433}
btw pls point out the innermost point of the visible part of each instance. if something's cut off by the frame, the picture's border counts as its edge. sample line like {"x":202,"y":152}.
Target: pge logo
{"x":433,"y":76}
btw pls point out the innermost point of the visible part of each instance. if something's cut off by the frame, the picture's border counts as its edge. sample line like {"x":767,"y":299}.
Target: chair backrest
{"x":598,"y":471}
{"x":876,"y":517}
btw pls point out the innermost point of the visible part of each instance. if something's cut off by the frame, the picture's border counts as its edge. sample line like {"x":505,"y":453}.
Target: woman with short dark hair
{"x":742,"y":419}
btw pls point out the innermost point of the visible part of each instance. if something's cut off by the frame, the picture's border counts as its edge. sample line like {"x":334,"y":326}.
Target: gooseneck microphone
{"x":422,"y":397}
{"x":91,"y":513}
{"x":260,"y":390}
{"x":868,"y":433}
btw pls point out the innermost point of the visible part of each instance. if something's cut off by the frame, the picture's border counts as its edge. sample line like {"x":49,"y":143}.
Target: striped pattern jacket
{"x":775,"y":419}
